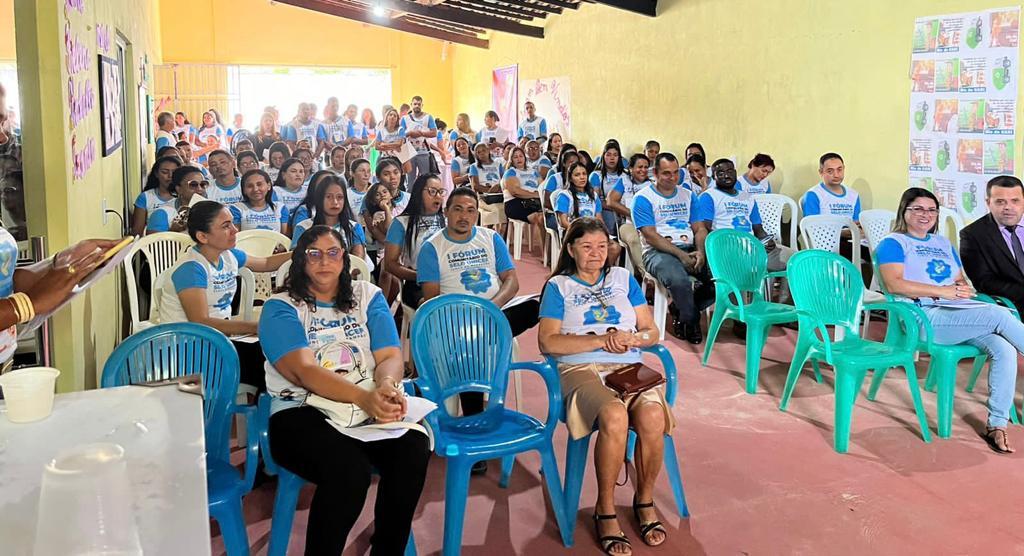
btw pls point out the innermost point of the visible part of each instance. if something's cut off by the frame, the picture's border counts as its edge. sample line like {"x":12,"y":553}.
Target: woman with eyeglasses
{"x":922,"y":267}
{"x":321,"y":305}
{"x":421,"y":219}
{"x":185,"y":182}
{"x":593,"y":319}
{"x":201,"y":286}
{"x":157,"y":192}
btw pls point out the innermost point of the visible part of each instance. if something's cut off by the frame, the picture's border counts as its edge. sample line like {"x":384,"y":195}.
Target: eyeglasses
{"x":923,"y":210}
{"x":197,"y":184}
{"x":317,"y":255}
{"x":434,"y":191}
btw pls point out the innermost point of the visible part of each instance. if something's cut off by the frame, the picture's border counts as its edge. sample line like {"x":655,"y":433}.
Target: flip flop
{"x":991,"y":437}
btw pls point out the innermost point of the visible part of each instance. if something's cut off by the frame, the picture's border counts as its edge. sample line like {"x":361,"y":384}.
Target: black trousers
{"x":521,"y":317}
{"x":302,"y":442}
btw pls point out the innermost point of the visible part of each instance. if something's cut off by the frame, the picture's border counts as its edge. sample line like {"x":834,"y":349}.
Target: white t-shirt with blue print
{"x":356,"y":130}
{"x":536,"y":165}
{"x":423,"y":123}
{"x":460,"y":165}
{"x":672,"y":216}
{"x":297,"y":131}
{"x":532,"y":129}
{"x":471,"y":267}
{"x":336,"y":131}
{"x":426,"y":226}
{"x":215,"y":131}
{"x":529,"y":180}
{"x":193,"y":271}
{"x":603,"y":186}
{"x":358,"y":236}
{"x":626,"y":187}
{"x":562,"y":203}
{"x":385,"y":136}
{"x":247,"y":218}
{"x":225,"y":195}
{"x":150,"y":200}
{"x":485,"y":135}
{"x":8,"y":264}
{"x":594,"y":308}
{"x":553,"y":182}
{"x":488,"y":174}
{"x":288,"y":198}
{"x":930,"y":260}
{"x":761,"y":187}
{"x":287,"y":325}
{"x":819,"y":200}
{"x":730,"y":212}
{"x":160,"y":219}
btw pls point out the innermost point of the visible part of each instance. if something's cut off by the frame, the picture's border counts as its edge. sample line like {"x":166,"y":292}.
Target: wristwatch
{"x":645,"y":336}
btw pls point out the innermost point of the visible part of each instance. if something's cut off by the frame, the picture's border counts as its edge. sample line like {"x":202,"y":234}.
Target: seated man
{"x":663,"y":213}
{"x":991,"y":246}
{"x":830,"y":197}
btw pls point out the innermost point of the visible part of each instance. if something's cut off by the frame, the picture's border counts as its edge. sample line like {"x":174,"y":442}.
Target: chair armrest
{"x":912,"y":320}
{"x":669,"y":366}
{"x":820,"y":326}
{"x":719,"y":284}
{"x":550,"y":376}
{"x":999,"y":300}
{"x":252,"y":442}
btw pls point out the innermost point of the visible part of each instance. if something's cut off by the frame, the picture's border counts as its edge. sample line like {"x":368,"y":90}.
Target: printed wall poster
{"x":505,"y":98}
{"x":551,"y":96}
{"x":963,"y":104}
{"x":110,"y":104}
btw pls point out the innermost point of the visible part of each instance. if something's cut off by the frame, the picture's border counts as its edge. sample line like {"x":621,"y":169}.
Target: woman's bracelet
{"x":23,"y":307}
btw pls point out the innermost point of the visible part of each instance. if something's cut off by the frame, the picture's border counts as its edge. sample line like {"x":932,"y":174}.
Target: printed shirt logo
{"x":224,"y":302}
{"x":939,"y":270}
{"x":475,"y":280}
{"x":678,"y":224}
{"x":740,"y":222}
{"x":601,"y":315}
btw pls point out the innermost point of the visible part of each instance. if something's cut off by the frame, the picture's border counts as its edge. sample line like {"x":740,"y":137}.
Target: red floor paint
{"x":758,"y":481}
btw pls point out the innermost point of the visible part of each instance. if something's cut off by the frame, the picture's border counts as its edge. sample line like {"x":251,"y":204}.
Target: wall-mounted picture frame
{"x":111,"y":104}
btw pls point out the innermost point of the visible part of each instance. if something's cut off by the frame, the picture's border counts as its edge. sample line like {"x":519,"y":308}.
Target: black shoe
{"x":739,"y":329}
{"x":692,"y":333}
{"x":479,"y":468}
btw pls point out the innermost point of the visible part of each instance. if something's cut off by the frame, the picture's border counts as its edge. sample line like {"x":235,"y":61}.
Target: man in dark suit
{"x":992,"y":248}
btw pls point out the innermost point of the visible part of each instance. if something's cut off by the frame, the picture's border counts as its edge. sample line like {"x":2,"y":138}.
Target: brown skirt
{"x":585,"y":393}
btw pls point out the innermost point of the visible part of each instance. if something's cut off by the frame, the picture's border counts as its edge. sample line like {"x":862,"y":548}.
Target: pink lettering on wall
{"x":83,"y":159}
{"x":81,"y":100}
{"x":76,"y":54}
{"x":103,"y":37}
{"x":76,"y":5}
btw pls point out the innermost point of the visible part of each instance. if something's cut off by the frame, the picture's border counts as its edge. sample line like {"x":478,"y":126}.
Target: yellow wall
{"x":259,"y":33}
{"x":60,"y":208}
{"x":6,"y":30}
{"x":793,"y":78}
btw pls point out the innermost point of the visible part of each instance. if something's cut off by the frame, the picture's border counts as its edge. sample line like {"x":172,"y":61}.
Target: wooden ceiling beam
{"x":535,"y":6}
{"x":456,"y":15}
{"x":559,"y":4}
{"x":502,"y":9}
{"x":642,"y":7}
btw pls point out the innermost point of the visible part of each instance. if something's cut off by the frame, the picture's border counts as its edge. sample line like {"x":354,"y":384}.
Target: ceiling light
{"x":379,"y":11}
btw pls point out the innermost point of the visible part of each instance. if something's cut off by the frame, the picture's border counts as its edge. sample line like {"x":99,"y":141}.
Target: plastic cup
{"x":28,"y":393}
{"x":85,"y":504}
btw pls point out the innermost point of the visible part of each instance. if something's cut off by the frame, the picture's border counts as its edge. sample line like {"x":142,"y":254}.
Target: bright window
{"x":285,"y":87}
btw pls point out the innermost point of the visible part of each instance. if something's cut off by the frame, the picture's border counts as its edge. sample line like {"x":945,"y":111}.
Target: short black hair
{"x":829,"y":156}
{"x":664,"y":156}
{"x":761,"y":159}
{"x":461,"y":192}
{"x":722,"y":161}
{"x":1003,"y":181}
{"x":695,"y":159}
{"x":200,"y":217}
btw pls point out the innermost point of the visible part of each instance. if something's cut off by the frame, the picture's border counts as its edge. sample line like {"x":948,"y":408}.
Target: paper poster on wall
{"x":551,"y":95}
{"x":963,"y":104}
{"x":505,"y":97}
{"x":110,"y":104}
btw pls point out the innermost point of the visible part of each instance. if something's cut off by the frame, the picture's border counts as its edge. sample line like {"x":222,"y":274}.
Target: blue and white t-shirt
{"x":8,"y":263}
{"x":164,"y":139}
{"x":358,"y":236}
{"x":536,"y":165}
{"x":554,"y":182}
{"x":628,"y":189}
{"x":412,"y":123}
{"x":672,"y":216}
{"x":594,"y":308}
{"x":228,"y":195}
{"x":485,"y":135}
{"x":488,"y":174}
{"x":385,"y":136}
{"x":528,"y":181}
{"x":355,"y":199}
{"x":151,"y":200}
{"x":819,"y":200}
{"x":532,"y":129}
{"x":336,"y":131}
{"x":356,"y":130}
{"x":603,"y":186}
{"x":460,"y":165}
{"x":929,"y":260}
{"x":290,"y":198}
{"x":215,"y":131}
{"x":426,"y":226}
{"x":193,"y":271}
{"x":470,"y":267}
{"x":745,"y":185}
{"x":287,"y":325}
{"x":247,"y":218}
{"x":160,"y":219}
{"x":736,"y":212}
{"x":562,"y":202}
{"x":297,"y":131}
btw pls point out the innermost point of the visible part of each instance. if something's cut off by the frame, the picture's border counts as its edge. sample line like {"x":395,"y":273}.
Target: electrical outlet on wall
{"x":103,"y":209}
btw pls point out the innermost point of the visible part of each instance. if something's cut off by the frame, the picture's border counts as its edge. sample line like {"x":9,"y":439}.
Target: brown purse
{"x":633,"y":379}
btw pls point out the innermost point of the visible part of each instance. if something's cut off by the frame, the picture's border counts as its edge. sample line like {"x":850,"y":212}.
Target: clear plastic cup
{"x":28,"y":393}
{"x":85,"y":504}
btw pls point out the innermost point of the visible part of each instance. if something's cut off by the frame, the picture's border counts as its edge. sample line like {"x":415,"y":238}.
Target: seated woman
{"x":157,"y":192}
{"x":461,"y":162}
{"x":918,"y":264}
{"x":422,"y":218}
{"x":247,"y":160}
{"x":535,"y":160}
{"x":319,"y":296}
{"x":291,"y":185}
{"x":579,"y":200}
{"x":202,"y":284}
{"x":258,"y":211}
{"x":308,"y":204}
{"x":330,"y":208}
{"x":521,"y":187}
{"x":186,"y":181}
{"x":358,"y":184}
{"x":485,"y":175}
{"x":593,"y":317}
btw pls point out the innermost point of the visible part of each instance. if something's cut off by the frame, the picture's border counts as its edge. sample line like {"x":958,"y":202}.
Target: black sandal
{"x":992,"y":438}
{"x":608,"y":541}
{"x":648,"y":527}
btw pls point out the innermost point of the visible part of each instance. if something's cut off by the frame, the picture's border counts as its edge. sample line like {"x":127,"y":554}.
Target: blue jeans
{"x":672,"y":274}
{"x":995,"y":331}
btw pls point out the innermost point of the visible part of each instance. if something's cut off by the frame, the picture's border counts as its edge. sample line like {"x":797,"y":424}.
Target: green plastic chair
{"x":828,"y":290}
{"x":739,"y":265}
{"x":944,"y":359}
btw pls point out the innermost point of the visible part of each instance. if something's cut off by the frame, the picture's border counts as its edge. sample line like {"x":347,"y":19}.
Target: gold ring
{"x":71,"y":270}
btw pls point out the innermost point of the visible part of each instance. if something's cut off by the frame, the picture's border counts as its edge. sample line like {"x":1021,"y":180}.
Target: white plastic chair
{"x":877,"y":224}
{"x":246,"y":305}
{"x":515,"y":236}
{"x":771,"y":206}
{"x":950,"y":224}
{"x":160,"y":251}
{"x":554,"y":240}
{"x":261,"y":243}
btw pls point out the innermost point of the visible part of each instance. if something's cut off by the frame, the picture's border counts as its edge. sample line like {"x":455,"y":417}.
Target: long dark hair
{"x":309,"y":201}
{"x":279,"y":147}
{"x":153,"y":180}
{"x":179,"y":176}
{"x":279,"y":182}
{"x":471,"y":159}
{"x":370,"y":204}
{"x":415,"y":210}
{"x":909,"y":196}
{"x":588,"y":189}
{"x":547,"y":144}
{"x":269,"y":199}
{"x":611,"y":144}
{"x":320,"y":193}
{"x":296,"y":284}
{"x":588,"y":161}
{"x":386,"y":161}
{"x":561,"y":165}
{"x":566,"y":265}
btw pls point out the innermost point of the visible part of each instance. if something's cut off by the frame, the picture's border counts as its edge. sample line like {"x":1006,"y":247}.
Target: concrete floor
{"x":758,"y":481}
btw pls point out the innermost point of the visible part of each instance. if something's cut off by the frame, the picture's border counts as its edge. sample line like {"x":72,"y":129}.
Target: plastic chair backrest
{"x":771,"y":206}
{"x":160,"y":250}
{"x":827,"y":287}
{"x":738,"y":258}
{"x":261,"y":243}
{"x":877,"y":224}
{"x":359,"y":264}
{"x":248,"y":294}
{"x":282,"y":272}
{"x":462,"y":343}
{"x":181,"y":349}
{"x":825,"y":232}
{"x":950,"y":224}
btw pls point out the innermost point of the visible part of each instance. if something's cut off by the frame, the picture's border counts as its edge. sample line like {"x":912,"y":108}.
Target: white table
{"x":161,"y":431}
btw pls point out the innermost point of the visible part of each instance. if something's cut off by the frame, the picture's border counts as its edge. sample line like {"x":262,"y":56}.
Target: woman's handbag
{"x":349,"y":360}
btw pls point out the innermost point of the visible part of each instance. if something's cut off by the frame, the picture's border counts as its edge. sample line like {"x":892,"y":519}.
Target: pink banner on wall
{"x":505,"y":97}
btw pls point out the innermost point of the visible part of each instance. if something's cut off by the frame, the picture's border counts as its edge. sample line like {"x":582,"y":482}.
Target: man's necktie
{"x":1018,"y":250}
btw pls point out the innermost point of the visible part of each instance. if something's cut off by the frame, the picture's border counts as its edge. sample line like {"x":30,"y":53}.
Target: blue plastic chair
{"x":181,"y":349}
{"x":288,"y":486}
{"x":576,"y":450}
{"x":464,"y":344}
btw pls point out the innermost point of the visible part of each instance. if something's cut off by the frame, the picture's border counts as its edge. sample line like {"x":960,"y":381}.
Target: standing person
{"x":462,"y":129}
{"x":419,"y":126}
{"x":265,"y":137}
{"x":291,"y":185}
{"x":991,"y":245}
{"x":334,"y":127}
{"x":830,"y":197}
{"x":422,"y":218}
{"x":226,"y":187}
{"x":620,"y":200}
{"x":357,"y":133}
{"x":390,"y":135}
{"x":237,"y":124}
{"x":319,"y":295}
{"x":331,"y":209}
{"x":553,"y":147}
{"x":485,"y":176}
{"x":921,"y":266}
{"x":604,"y":178}
{"x":186,"y":181}
{"x":183,"y":128}
{"x":278,"y":153}
{"x":536,"y":161}
{"x":369,"y":122}
{"x":461,"y":162}
{"x":521,"y":187}
{"x":165,"y":131}
{"x":755,"y":180}
{"x":257,"y":210}
{"x":156,"y":193}
{"x":210,"y":128}
{"x":492,"y":135}
{"x":304,"y":126}
{"x":533,"y":127}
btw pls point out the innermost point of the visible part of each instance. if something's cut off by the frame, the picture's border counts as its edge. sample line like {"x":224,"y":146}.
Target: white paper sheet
{"x":417,"y":409}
